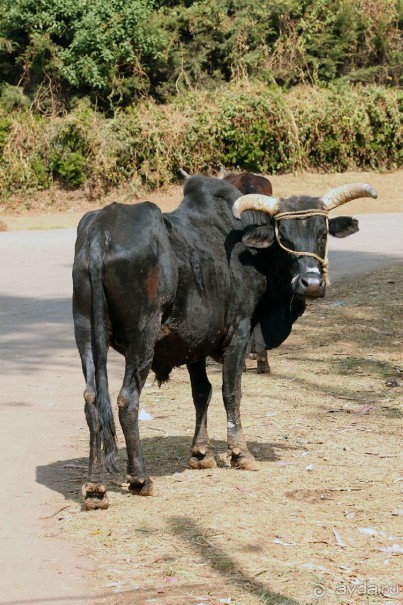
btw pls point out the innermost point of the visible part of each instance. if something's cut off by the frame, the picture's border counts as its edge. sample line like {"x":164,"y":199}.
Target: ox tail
{"x":99,"y":349}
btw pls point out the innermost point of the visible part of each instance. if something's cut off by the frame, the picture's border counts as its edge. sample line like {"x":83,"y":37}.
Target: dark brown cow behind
{"x":246,"y":182}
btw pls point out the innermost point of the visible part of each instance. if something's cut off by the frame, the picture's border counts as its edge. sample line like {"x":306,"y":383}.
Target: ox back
{"x":171,"y":289}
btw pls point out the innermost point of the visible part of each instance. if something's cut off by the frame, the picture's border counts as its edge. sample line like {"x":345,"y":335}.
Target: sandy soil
{"x":320,"y":522}
{"x":57,"y":209}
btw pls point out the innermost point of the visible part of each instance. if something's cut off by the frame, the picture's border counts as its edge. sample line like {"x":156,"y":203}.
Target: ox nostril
{"x":312,"y":284}
{"x":311,"y":281}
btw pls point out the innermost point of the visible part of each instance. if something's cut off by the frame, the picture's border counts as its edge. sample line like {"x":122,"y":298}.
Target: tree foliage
{"x":103,"y":93}
{"x":95,"y":48}
{"x":116,"y":51}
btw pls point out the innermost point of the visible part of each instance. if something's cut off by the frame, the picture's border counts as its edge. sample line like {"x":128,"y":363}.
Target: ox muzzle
{"x":309,"y":284}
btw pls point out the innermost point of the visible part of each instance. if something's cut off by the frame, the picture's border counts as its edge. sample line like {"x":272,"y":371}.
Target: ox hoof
{"x":95,"y":496}
{"x":202,"y":457}
{"x":263,"y":368}
{"x":140,"y":486}
{"x":205,"y":462}
{"x":245,"y":462}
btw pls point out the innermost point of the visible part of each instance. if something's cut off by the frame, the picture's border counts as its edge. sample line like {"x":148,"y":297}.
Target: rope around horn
{"x":301,"y":214}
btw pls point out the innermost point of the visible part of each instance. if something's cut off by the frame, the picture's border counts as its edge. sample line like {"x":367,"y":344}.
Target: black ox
{"x":171,"y":289}
{"x":247,"y":182}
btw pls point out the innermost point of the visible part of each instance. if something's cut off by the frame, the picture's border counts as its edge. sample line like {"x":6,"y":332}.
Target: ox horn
{"x":254,"y":201}
{"x":221,"y":174}
{"x":185,"y":174}
{"x":346,"y":193}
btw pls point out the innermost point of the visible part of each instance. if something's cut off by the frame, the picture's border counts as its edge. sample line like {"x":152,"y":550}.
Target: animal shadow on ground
{"x":219,"y":560}
{"x":163,"y":457}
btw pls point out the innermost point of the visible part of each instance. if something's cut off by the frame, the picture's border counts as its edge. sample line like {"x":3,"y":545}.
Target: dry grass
{"x":326,"y":430}
{"x":55,"y":209}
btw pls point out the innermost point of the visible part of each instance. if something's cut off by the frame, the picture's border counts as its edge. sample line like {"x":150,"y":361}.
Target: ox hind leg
{"x":234,"y":357}
{"x":94,"y":489}
{"x":202,"y":454}
{"x":128,"y":404}
{"x":258,"y":347}
{"x":262,"y":362}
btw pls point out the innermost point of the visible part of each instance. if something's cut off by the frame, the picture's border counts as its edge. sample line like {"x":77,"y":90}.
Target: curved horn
{"x":221,"y":174}
{"x":184,"y":173}
{"x":254,"y":201}
{"x":346,"y":193}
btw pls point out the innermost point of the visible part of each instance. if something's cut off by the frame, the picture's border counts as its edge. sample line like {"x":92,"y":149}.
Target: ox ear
{"x":259,"y":237}
{"x":343,"y":226}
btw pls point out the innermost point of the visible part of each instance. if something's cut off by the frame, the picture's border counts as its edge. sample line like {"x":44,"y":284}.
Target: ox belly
{"x":178,"y":347}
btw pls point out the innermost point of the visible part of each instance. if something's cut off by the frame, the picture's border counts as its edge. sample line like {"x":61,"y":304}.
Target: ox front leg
{"x":128,"y":403}
{"x":202,"y":454}
{"x":232,"y":373}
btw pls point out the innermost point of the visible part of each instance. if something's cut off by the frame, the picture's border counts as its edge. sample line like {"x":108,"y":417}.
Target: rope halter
{"x":332,"y":199}
{"x":301,"y":214}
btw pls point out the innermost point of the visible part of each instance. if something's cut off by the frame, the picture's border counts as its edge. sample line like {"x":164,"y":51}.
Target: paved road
{"x":41,"y":418}
{"x":378,"y":244}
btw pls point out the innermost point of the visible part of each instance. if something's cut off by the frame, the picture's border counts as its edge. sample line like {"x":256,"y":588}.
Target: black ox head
{"x":299,"y":226}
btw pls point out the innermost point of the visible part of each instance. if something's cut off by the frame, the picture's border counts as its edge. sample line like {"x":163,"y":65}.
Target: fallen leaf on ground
{"x":278,"y":541}
{"x":365,"y":409}
{"x":339,"y":541}
{"x":145,"y":415}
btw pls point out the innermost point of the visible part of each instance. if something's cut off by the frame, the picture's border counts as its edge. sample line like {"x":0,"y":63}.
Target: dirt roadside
{"x":57,"y":209}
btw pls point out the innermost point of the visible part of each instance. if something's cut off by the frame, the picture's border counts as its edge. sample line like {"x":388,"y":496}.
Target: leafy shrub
{"x":69,"y":167}
{"x":67,"y":160}
{"x":41,"y":173}
{"x":247,"y":126}
{"x":13,"y":97}
{"x":256,"y":131}
{"x":95,"y":48}
{"x":4,"y":130}
{"x":348,"y":127}
{"x":23,"y":153}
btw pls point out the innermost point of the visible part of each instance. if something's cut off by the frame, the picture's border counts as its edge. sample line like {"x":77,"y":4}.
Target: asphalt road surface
{"x":41,"y":408}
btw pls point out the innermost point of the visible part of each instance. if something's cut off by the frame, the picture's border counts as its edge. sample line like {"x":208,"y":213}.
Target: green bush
{"x":13,"y":97}
{"x":69,"y":167}
{"x":245,"y":126}
{"x":97,"y":48}
{"x":347,"y":127}
{"x":4,"y":130}
{"x":42,"y":178}
{"x":256,"y":131}
{"x":68,"y":160}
